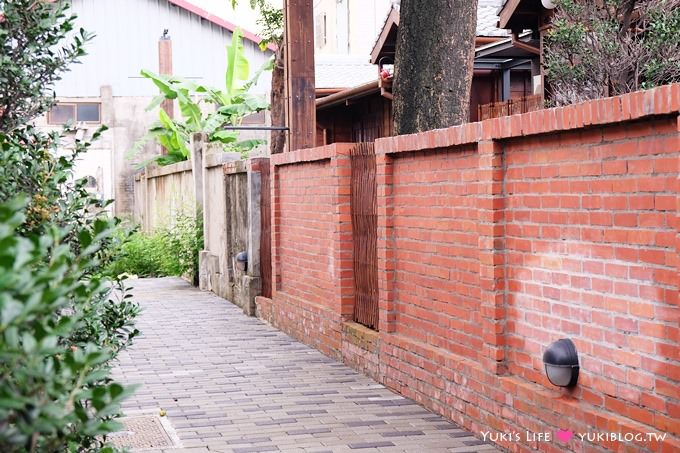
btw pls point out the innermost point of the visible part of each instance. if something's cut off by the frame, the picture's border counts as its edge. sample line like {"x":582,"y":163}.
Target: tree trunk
{"x":278,"y":109}
{"x":434,"y":64}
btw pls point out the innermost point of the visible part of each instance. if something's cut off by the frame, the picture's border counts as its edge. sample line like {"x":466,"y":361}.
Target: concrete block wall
{"x":224,"y":191}
{"x":162,"y":193}
{"x":494,"y":240}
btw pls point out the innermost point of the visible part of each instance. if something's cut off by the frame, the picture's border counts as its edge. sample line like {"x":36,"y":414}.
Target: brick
{"x":576,"y":236}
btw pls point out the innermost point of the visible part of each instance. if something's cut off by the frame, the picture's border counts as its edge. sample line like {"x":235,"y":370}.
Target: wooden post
{"x":300,"y":96}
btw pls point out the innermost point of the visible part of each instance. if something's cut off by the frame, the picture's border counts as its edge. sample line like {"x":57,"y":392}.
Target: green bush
{"x":59,"y":329}
{"x":142,"y":255}
{"x":170,"y":251}
{"x":600,"y":49}
{"x":35,"y":49}
{"x":61,"y":323}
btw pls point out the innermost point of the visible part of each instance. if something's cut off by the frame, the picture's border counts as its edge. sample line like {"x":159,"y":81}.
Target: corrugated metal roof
{"x":188,"y":6}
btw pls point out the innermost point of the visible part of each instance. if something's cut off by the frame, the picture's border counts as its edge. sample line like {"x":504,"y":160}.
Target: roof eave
{"x":250,"y":36}
{"x":392,"y":20}
{"x":345,"y":95}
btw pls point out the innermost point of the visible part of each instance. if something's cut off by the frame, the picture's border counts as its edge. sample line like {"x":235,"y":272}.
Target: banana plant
{"x":229,"y":106}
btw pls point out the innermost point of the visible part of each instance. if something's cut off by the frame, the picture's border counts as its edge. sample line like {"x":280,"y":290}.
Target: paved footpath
{"x":230,"y":383}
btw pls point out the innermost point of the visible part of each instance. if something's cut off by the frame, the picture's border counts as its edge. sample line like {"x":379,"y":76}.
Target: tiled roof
{"x":343,"y":71}
{"x":487,"y":18}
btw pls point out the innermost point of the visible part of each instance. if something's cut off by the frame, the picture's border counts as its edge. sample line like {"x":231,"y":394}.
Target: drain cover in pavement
{"x":140,"y":433}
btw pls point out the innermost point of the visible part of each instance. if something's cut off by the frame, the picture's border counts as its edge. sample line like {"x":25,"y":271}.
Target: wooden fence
{"x":510,"y":107}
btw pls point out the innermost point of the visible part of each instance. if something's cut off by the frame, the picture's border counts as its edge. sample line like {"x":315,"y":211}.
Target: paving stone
{"x":251,"y":440}
{"x":365,"y":423}
{"x":230,"y":383}
{"x":362,"y":445}
{"x":403,"y":434}
{"x":459,"y":434}
{"x":300,"y":432}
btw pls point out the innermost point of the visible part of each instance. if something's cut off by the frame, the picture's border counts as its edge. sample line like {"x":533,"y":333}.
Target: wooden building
{"x":507,"y":80}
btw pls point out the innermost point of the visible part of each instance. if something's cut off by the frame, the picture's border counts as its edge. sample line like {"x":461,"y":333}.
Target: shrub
{"x":60,"y":329}
{"x":143,"y":255}
{"x":169,"y":251}
{"x":61,"y":324}
{"x":599,"y":49}
{"x":33,"y":55}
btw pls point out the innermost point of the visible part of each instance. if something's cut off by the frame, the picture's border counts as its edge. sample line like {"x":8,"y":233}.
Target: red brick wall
{"x":305,"y":232}
{"x":590,"y":243}
{"x":435,"y":244}
{"x":311,"y":246}
{"x":494,"y":240}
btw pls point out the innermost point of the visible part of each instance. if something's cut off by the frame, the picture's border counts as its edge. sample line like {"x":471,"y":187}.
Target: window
{"x":88,"y":113}
{"x":85,"y":112}
{"x":62,"y":113}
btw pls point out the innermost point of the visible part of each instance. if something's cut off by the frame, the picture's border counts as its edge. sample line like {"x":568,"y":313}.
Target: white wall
{"x":353,"y":33}
{"x":127,"y":41}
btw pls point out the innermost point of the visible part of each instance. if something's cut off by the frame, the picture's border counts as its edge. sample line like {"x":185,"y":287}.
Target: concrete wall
{"x":218,"y":220}
{"x":164,"y":193}
{"x":111,"y":159}
{"x":127,"y":121}
{"x":228,"y":202}
{"x":232,"y":226}
{"x":495,"y":239}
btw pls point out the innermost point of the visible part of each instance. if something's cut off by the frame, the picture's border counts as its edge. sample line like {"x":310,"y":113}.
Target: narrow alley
{"x":230,"y":383}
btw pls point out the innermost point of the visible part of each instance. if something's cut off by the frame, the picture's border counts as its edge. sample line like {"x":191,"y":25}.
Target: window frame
{"x":75,"y":106}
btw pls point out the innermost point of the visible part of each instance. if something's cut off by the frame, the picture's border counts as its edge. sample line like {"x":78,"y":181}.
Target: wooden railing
{"x":510,"y":107}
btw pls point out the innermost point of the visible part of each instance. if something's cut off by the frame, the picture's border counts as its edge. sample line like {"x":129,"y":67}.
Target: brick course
{"x":495,"y":239}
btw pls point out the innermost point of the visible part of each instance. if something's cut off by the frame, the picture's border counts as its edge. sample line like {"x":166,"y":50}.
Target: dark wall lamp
{"x":242,"y":261}
{"x":561,"y":363}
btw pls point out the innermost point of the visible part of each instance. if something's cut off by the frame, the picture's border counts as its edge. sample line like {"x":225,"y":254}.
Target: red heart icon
{"x":564,"y":435}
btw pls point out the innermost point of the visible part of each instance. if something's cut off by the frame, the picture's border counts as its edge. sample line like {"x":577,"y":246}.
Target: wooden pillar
{"x":165,"y":67}
{"x":300,"y":96}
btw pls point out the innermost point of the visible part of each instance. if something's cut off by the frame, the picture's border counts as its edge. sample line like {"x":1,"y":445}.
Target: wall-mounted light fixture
{"x":242,"y":261}
{"x":561,"y":363}
{"x":548,"y":4}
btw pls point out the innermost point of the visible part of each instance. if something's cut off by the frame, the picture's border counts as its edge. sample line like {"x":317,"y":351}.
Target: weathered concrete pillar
{"x":198,"y":144}
{"x":204,"y":270}
{"x":252,"y":282}
{"x":254,"y":214}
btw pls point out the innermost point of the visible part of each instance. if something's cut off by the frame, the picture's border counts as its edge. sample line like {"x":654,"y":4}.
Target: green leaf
{"x":247,"y":145}
{"x":238,"y":68}
{"x":163,"y":84}
{"x":155,"y":102}
{"x":224,"y":136}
